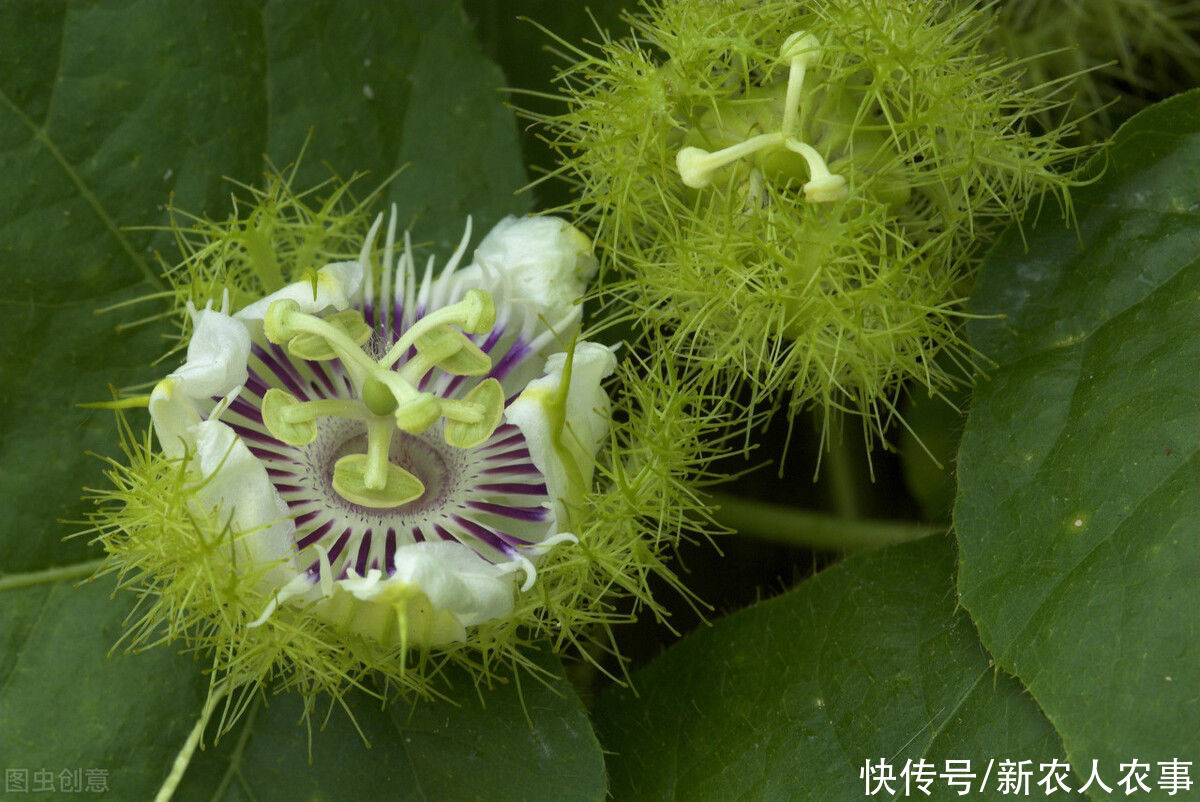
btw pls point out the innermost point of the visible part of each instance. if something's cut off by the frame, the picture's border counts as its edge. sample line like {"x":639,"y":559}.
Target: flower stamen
{"x":284,"y":322}
{"x":389,"y":398}
{"x":474,"y":314}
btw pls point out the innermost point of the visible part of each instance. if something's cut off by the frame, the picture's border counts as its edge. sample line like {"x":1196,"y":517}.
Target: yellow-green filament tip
{"x":823,"y":186}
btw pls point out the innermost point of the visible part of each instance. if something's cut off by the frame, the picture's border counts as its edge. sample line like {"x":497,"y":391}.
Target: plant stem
{"x":842,"y":481}
{"x":189,"y":747}
{"x":59,"y":574}
{"x":813,"y":530}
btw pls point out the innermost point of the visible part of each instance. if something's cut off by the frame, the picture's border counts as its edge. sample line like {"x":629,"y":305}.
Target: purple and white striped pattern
{"x":491,"y":498}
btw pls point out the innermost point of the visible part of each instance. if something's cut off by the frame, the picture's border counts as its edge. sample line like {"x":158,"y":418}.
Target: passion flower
{"x":380,"y":468}
{"x":394,"y":472}
{"x":794,"y":195}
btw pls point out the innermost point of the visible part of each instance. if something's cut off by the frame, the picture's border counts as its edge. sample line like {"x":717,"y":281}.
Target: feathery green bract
{"x":832,"y":303}
{"x":275,"y":235}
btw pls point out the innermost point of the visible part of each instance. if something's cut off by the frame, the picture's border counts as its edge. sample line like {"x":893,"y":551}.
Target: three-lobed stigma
{"x":698,"y":166}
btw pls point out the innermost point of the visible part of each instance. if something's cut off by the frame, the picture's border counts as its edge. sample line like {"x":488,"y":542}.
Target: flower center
{"x":432,"y":463}
{"x":697,"y":166}
{"x":387,"y":401}
{"x":375,"y":437}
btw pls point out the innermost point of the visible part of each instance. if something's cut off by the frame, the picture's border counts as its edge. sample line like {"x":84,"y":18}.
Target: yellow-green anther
{"x":349,"y":482}
{"x":822,"y":186}
{"x":317,"y":348}
{"x":275,"y":406}
{"x":475,"y":314}
{"x":802,"y":50}
{"x":456,"y":353}
{"x":488,"y":399}
{"x":284,"y":321}
{"x":417,"y":414}
{"x":448,"y":349}
{"x":696,"y":165}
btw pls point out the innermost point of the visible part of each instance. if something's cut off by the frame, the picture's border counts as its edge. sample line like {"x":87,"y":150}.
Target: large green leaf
{"x":106,"y":111}
{"x":870,"y":659}
{"x":65,"y":706}
{"x":1077,"y":517}
{"x":530,"y":741}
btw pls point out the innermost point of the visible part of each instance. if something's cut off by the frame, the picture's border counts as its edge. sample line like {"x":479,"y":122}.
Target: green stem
{"x":239,"y":749}
{"x":418,"y":366}
{"x":184,"y":758}
{"x":843,"y":484}
{"x":379,"y":444}
{"x":805,"y":529}
{"x":60,"y":574}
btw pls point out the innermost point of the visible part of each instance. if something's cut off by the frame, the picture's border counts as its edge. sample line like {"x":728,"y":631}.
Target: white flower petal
{"x":337,"y":284}
{"x":566,"y":456}
{"x":216,"y":356}
{"x":439,"y":587}
{"x":173,"y":413}
{"x":539,"y":264}
{"x":235,"y":482}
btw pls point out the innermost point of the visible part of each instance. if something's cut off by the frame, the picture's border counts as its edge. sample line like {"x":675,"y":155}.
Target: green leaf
{"x":428,"y":752}
{"x":1077,"y":514}
{"x":64,"y":705}
{"x":108,"y":110}
{"x":870,"y":659}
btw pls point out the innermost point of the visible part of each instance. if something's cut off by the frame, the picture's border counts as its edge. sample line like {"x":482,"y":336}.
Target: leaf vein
{"x":40,"y":134}
{"x":1065,"y":575}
